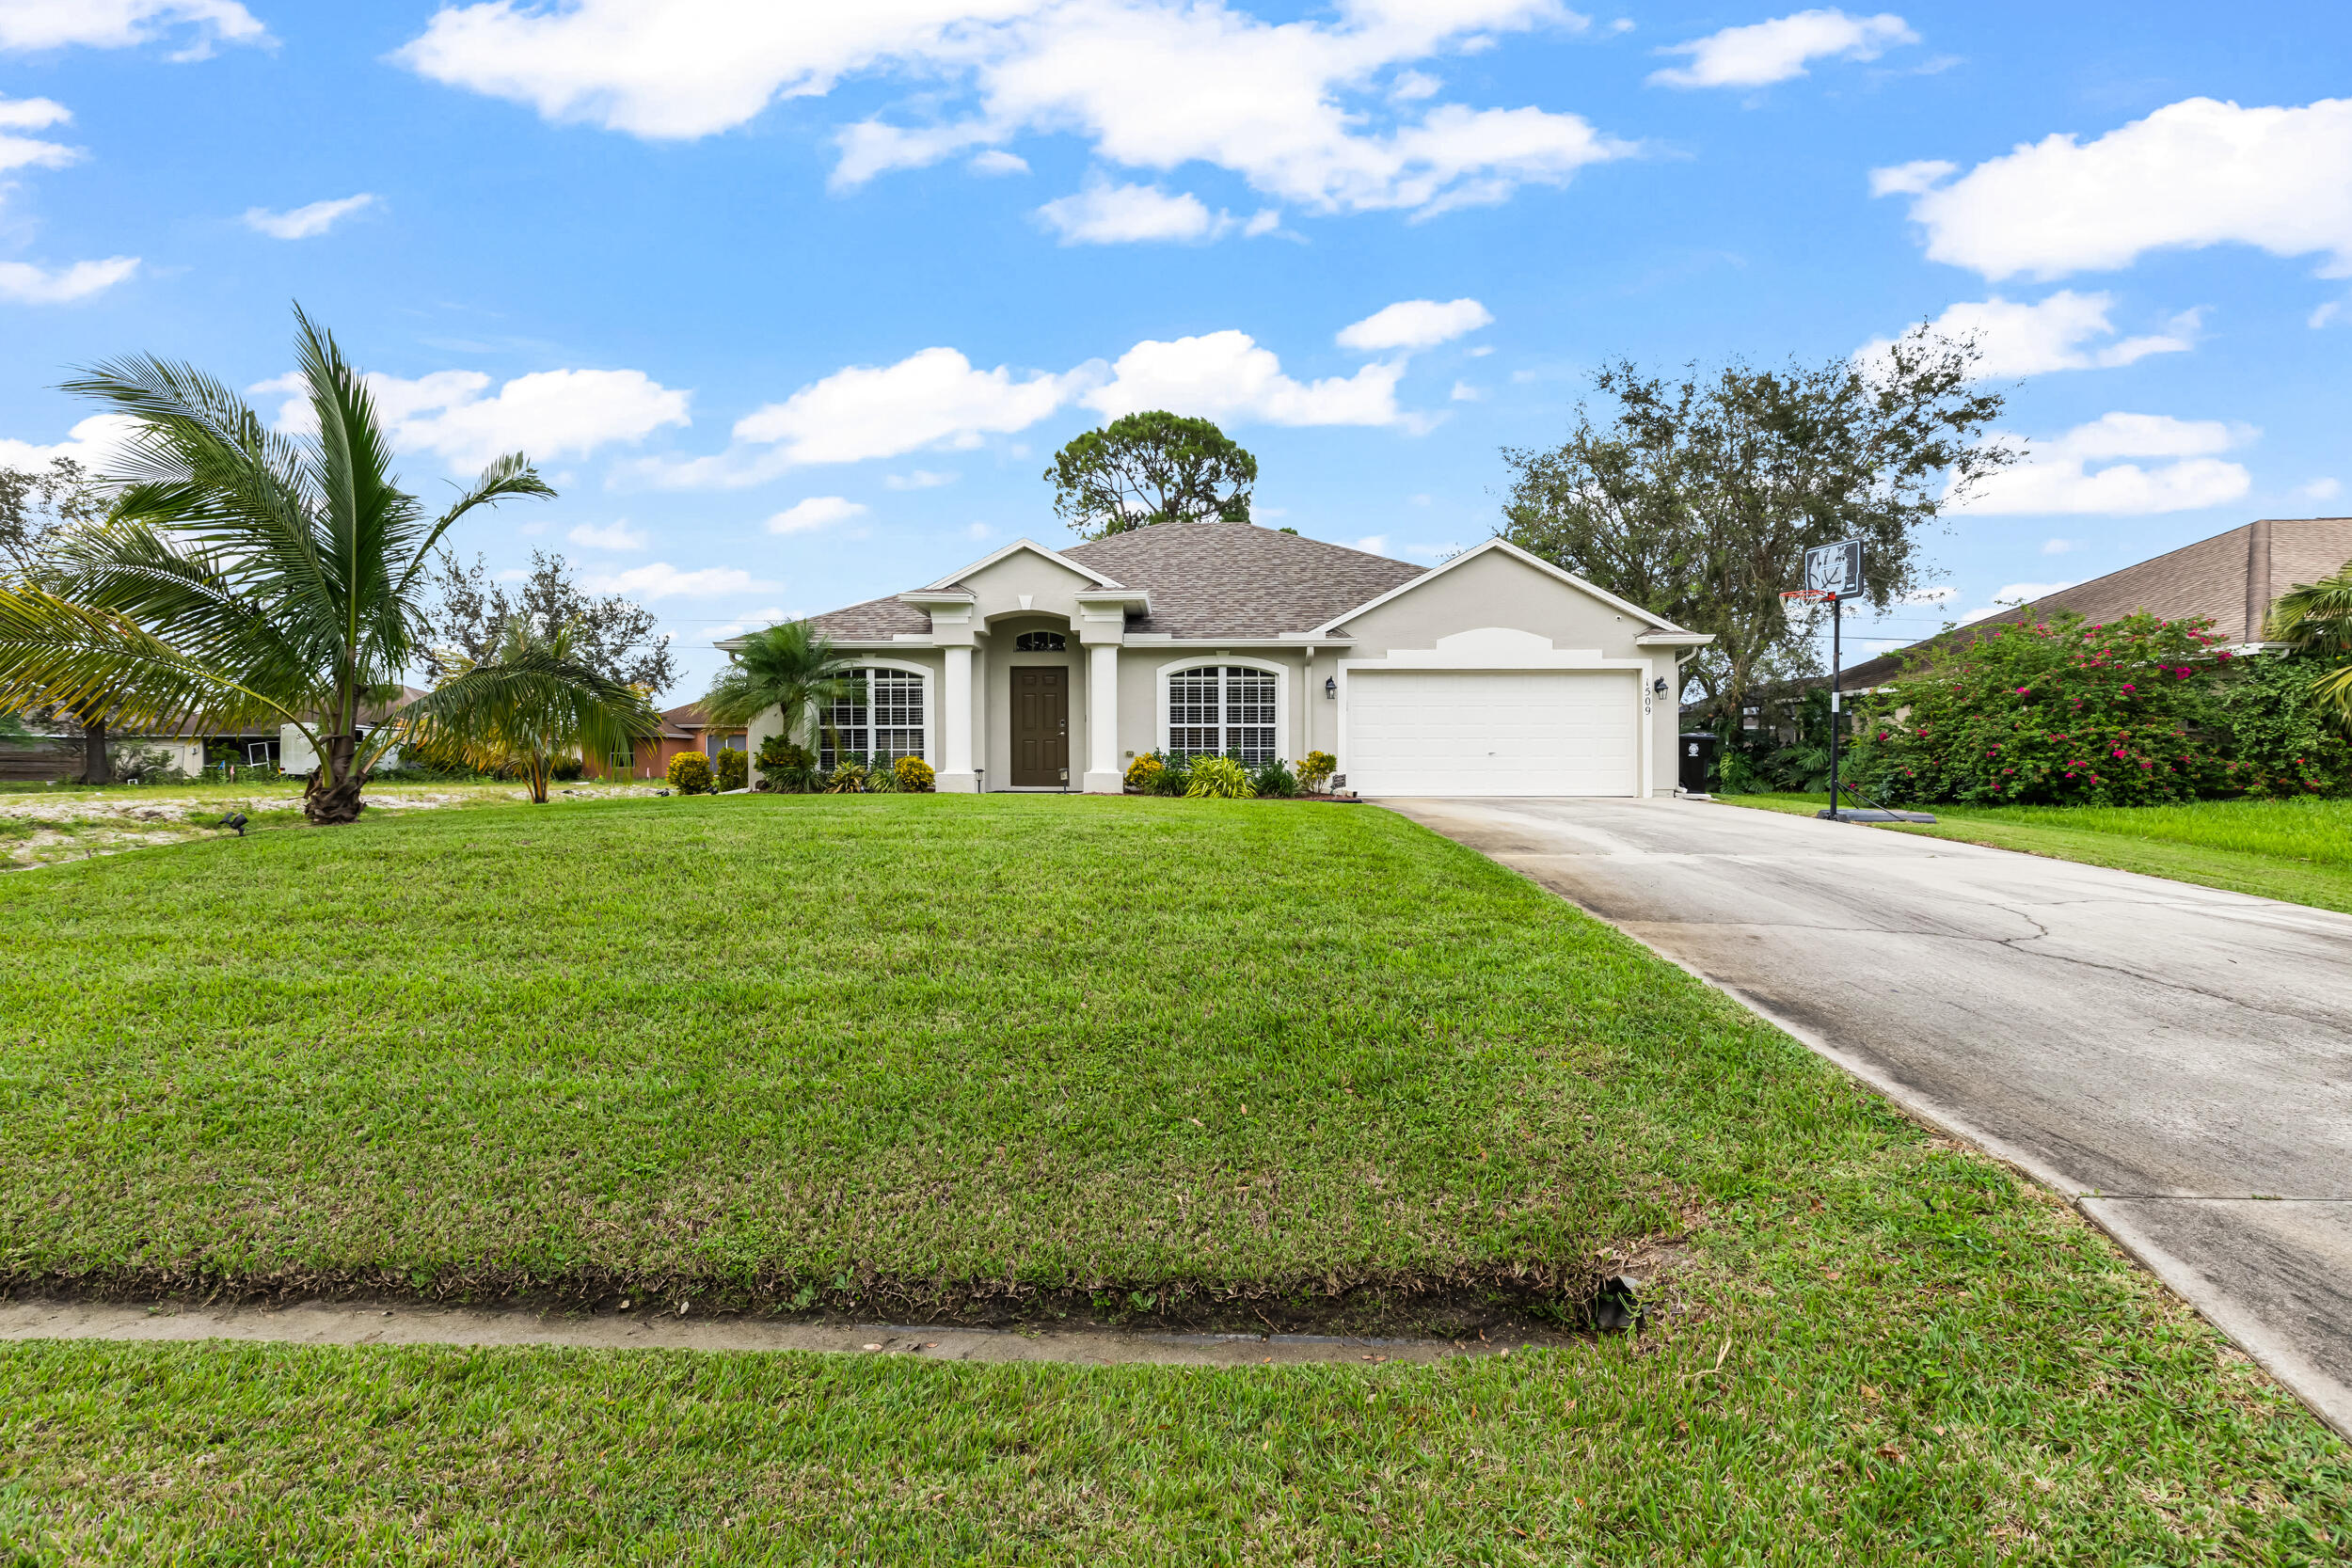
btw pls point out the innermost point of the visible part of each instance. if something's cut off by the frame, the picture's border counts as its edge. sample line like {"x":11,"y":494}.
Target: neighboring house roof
{"x":2231,"y":579}
{"x":1214,"y":580}
{"x":680,"y":722}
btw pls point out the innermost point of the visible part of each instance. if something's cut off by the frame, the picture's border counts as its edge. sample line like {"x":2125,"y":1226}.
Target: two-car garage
{"x":1493,"y":731}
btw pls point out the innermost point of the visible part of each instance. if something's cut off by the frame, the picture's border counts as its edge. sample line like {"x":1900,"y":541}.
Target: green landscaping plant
{"x":1218,"y":779}
{"x":1315,"y":770}
{"x":789,"y":669}
{"x":733,"y":771}
{"x":1273,"y":780}
{"x":785,"y":765}
{"x":1143,"y":774}
{"x":849,"y":776}
{"x":689,"y":773}
{"x":531,"y":710}
{"x":2316,"y":617}
{"x":914,"y":776}
{"x":2060,"y":712}
{"x":248,"y":575}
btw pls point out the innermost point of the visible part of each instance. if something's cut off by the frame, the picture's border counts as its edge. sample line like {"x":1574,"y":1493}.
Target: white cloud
{"x":1305,"y":110}
{"x":2058,"y":334}
{"x":303,"y":222}
{"x":2059,"y":476}
{"x":1103,"y":214}
{"x":2009,"y":595}
{"x":1912,"y":179}
{"x":615,"y":535}
{"x":32,"y":114}
{"x":978,"y":531}
{"x":927,"y":398}
{"x":919,"y":479}
{"x":547,"y":414}
{"x":1370,"y":543}
{"x":28,"y":284}
{"x":662,"y":581}
{"x":2325,"y":314}
{"x":1464,"y":393}
{"x":1415,"y":323}
{"x":1265,"y":220}
{"x":2060,"y":547}
{"x":92,"y":443}
{"x":1767,"y":52}
{"x":1226,"y":376}
{"x":2320,"y":490}
{"x":2196,"y":173}
{"x":26,"y":25}
{"x":814,"y":514}
{"x":996,"y":161}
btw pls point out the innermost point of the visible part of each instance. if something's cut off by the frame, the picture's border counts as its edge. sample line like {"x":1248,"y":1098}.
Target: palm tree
{"x":791,"y":667}
{"x":2316,"y":617}
{"x":244,"y":574}
{"x":532,"y":705}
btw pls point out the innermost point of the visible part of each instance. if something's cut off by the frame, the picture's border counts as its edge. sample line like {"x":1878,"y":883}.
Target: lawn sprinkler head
{"x":234,"y":821}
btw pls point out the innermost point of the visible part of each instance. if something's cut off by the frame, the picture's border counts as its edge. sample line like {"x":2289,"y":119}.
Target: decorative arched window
{"x":1040,"y":643}
{"x":1221,"y":709}
{"x":886,"y":718}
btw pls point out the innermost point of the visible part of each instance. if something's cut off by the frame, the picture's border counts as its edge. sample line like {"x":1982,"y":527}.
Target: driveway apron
{"x":2176,"y":1059}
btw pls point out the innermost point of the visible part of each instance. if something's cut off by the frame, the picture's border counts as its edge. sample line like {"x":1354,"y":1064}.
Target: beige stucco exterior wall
{"x":1498,"y":589}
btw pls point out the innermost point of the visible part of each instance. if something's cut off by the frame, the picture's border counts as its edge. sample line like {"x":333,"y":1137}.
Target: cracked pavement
{"x":2176,"y":1059}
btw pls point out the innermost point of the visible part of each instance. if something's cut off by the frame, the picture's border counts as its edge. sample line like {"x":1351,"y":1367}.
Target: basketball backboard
{"x":1835,"y":569}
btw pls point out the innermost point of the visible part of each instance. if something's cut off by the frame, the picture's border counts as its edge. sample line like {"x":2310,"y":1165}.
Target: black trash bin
{"x":1698,"y":761}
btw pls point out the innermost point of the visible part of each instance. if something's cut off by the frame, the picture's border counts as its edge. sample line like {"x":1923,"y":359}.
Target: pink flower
{"x":2129,"y":687}
{"x":2023,"y":691}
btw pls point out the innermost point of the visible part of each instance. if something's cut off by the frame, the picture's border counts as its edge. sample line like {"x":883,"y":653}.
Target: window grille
{"x":1222,"y":709}
{"x":881,"y":719}
{"x":1040,"y":643}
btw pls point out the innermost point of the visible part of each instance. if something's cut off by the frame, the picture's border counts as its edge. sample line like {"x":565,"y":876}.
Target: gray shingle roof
{"x":875,"y":620}
{"x":1236,"y":579}
{"x":2231,"y":579}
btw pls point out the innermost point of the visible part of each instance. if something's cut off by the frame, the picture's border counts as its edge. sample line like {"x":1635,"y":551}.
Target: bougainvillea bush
{"x":2057,"y":712}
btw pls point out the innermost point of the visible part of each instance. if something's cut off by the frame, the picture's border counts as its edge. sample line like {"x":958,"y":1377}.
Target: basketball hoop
{"x":1810,"y":595}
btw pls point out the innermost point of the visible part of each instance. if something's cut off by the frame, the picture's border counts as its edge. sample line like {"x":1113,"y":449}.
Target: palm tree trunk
{"x":95,"y":770}
{"x":333,"y":796}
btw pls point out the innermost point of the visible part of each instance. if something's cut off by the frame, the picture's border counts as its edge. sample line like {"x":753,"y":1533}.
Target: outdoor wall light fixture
{"x":1659,"y":686}
{"x":1331,"y":687}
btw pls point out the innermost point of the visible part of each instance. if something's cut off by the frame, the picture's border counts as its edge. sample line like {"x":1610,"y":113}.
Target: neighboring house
{"x":1495,"y":674}
{"x":683,"y":729}
{"x":2231,"y":579}
{"x":295,"y":754}
{"x":185,"y":746}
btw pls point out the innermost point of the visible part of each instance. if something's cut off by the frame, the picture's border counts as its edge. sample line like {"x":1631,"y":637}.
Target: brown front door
{"x":1040,"y":727}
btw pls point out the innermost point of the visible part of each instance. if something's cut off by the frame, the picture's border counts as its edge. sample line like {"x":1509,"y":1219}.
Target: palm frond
{"x":55,"y":652}
{"x":533,"y":698}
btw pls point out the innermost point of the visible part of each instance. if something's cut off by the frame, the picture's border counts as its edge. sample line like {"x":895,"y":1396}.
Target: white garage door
{"x":1442,"y":732}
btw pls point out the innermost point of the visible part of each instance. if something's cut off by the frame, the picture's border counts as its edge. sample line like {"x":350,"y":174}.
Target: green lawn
{"x":912,"y":1053}
{"x":2297,"y":851}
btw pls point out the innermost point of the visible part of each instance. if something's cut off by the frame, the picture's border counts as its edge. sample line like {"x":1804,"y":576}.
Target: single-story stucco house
{"x":1035,"y":668}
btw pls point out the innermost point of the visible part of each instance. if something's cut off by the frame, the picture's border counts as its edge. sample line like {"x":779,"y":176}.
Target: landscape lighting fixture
{"x":233,"y":820}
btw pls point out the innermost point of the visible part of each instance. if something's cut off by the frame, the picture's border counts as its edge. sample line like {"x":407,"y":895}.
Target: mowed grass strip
{"x":2298,"y":850}
{"x":1917,"y":1360}
{"x":903,"y":1051}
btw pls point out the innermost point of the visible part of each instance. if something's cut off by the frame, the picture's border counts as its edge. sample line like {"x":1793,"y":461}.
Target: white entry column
{"x":957,"y":777}
{"x":1102,"y":776}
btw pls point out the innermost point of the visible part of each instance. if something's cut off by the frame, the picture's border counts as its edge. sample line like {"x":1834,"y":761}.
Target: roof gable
{"x":958,"y":578}
{"x":1524,"y":558}
{"x":1215,"y":579}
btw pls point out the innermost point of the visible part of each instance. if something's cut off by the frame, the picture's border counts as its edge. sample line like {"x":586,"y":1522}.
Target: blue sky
{"x":794,"y":301}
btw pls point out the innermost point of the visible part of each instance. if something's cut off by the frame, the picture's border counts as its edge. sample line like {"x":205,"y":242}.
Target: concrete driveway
{"x":2176,"y":1059}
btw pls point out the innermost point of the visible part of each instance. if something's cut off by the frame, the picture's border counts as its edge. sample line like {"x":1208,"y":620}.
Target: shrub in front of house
{"x":1219,"y":779}
{"x":689,"y":773}
{"x":849,"y":776}
{"x":785,"y":766}
{"x":733,"y":771}
{"x":1143,"y":774}
{"x":1315,"y":770}
{"x":2281,"y":739}
{"x":914,"y":776}
{"x":1273,"y":780}
{"x":2058,"y":712}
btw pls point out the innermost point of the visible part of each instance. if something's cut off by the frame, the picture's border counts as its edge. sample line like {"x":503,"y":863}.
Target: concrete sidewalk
{"x":2176,"y":1059}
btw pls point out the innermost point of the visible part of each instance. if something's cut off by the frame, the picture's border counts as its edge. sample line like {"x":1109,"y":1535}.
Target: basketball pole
{"x":1836,"y":625}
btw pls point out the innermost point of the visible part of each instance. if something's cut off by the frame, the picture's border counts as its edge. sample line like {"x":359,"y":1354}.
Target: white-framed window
{"x":1224,"y":709}
{"x":886,"y":718}
{"x":1040,"y":643}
